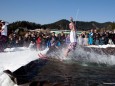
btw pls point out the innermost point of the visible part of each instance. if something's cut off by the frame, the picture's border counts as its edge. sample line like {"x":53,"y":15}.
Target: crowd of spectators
{"x":94,"y":37}
{"x":37,"y":40}
{"x":40,"y":40}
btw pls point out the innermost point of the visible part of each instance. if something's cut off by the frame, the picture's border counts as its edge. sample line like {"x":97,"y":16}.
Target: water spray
{"x":76,"y":16}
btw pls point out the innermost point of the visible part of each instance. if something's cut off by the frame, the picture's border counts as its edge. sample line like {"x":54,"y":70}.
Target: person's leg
{"x":72,"y":47}
{"x":4,"y":41}
{"x":69,"y":48}
{"x":66,"y":52}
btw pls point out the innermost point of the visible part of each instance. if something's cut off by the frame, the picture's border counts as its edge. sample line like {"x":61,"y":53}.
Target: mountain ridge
{"x":62,"y":24}
{"x":81,"y":25}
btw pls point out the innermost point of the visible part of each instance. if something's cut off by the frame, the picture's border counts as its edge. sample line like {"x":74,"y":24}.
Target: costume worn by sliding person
{"x":73,"y":39}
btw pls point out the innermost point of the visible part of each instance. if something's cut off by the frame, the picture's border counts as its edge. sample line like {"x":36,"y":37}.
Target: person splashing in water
{"x":73,"y":41}
{"x":73,"y":38}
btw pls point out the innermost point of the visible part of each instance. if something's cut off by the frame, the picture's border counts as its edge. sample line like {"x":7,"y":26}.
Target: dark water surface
{"x":69,"y":74}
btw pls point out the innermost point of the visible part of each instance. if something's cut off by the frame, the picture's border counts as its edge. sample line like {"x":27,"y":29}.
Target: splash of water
{"x":86,"y":56}
{"x":90,"y":56}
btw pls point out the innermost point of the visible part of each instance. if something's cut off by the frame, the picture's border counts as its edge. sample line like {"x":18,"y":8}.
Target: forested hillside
{"x":61,"y":25}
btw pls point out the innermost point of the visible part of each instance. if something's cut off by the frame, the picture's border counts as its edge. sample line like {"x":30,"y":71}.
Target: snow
{"x":101,"y":46}
{"x":14,"y":58}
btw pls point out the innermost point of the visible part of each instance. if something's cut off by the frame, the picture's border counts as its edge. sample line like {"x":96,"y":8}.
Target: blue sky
{"x":49,"y":11}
